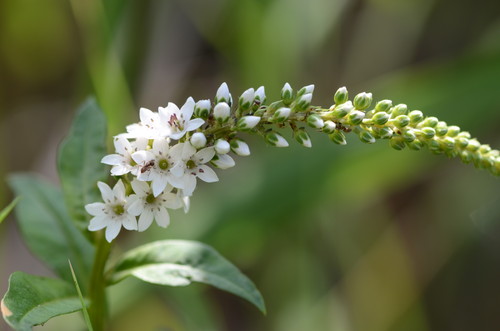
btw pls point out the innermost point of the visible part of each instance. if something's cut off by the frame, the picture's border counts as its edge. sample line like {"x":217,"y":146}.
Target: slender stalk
{"x":98,"y":309}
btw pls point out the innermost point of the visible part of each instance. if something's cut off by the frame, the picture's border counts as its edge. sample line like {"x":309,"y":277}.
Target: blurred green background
{"x":337,"y":238}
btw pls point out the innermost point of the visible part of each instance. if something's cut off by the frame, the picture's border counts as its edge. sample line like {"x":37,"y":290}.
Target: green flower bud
{"x":415,"y":145}
{"x":366,"y":137}
{"x":400,"y":109}
{"x":466,"y":156}
{"x":222,"y":111}
{"x":329,"y":127}
{"x":430,"y":122}
{"x":408,"y":135}
{"x":246,"y":99}
{"x":428,"y":132}
{"x":473,"y":145}
{"x":416,"y":116}
{"x":464,"y":134}
{"x":303,"y":102}
{"x":202,"y":109}
{"x":338,"y":137}
{"x":341,"y":96}
{"x":303,"y":138}
{"x":287,"y":94}
{"x":281,"y":115}
{"x":453,"y":131}
{"x":483,"y":149}
{"x":276,"y":140}
{"x":434,"y":146}
{"x":441,"y":128}
{"x":260,"y":95}
{"x":247,"y":123}
{"x":315,"y":121}
{"x":397,"y":143}
{"x":305,"y":90}
{"x":401,"y":121}
{"x":362,"y":100}
{"x":383,"y":105}
{"x":355,"y":117}
{"x":448,"y":144}
{"x":461,"y":142}
{"x":342,"y":110}
{"x":383,"y":133}
{"x":380,"y":118}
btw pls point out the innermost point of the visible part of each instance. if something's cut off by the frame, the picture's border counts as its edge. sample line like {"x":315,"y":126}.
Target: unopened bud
{"x":247,"y":122}
{"x":315,"y":121}
{"x":366,"y":137}
{"x":416,"y":116}
{"x":415,"y":145}
{"x":276,"y":140}
{"x":441,"y":128}
{"x":240,"y":147}
{"x":461,"y":142}
{"x":453,"y":131}
{"x":448,"y":144}
{"x":281,"y":115}
{"x":484,"y":149}
{"x":246,"y":99}
{"x":408,"y":135}
{"x":385,"y":132}
{"x":428,"y":132}
{"x":397,"y":142}
{"x":303,"y":138}
{"x":287,"y":94}
{"x":473,"y":145}
{"x":223,"y":95}
{"x":430,"y":122}
{"x":338,"y":137}
{"x":342,"y":110}
{"x":222,"y":161}
{"x":198,"y":140}
{"x":329,"y":127}
{"x":355,"y":117}
{"x":380,"y":118}
{"x":341,"y":96}
{"x":400,"y":109}
{"x":306,"y":89}
{"x":202,"y":109}
{"x":260,"y":95}
{"x":222,"y":146}
{"x":383,"y":105}
{"x":222,"y":112}
{"x":303,"y":102}
{"x":401,"y":121}
{"x":466,"y":156}
{"x":362,"y":100}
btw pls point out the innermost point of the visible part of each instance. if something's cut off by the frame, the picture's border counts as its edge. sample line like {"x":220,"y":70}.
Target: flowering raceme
{"x":160,"y":159}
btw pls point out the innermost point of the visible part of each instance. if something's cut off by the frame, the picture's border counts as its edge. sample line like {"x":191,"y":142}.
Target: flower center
{"x":174,"y":122}
{"x":119,"y":209}
{"x":150,"y":198}
{"x":163,"y":164}
{"x":190,"y":164}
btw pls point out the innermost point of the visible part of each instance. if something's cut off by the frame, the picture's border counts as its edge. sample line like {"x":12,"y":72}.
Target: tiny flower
{"x":148,"y":207}
{"x":222,"y":111}
{"x":341,"y":96}
{"x":198,"y":140}
{"x":287,"y":94}
{"x":247,"y":122}
{"x":223,"y":95}
{"x":281,"y":114}
{"x":276,"y":140}
{"x":179,"y":120}
{"x":246,"y":99}
{"x":122,"y":161}
{"x":202,"y":109}
{"x":240,"y":147}
{"x":150,"y":126}
{"x":362,"y":100}
{"x":222,"y":161}
{"x":222,"y":146}
{"x":315,"y":121}
{"x":112,"y":214}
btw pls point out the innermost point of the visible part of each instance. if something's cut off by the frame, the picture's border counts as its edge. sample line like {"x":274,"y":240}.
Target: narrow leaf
{"x":79,"y":160}
{"x":180,"y":262}
{"x":47,"y":228}
{"x":6,"y":211}
{"x":33,"y":300}
{"x":82,"y":300}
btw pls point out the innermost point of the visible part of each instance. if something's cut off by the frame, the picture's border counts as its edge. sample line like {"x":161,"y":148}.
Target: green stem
{"x":98,"y":309}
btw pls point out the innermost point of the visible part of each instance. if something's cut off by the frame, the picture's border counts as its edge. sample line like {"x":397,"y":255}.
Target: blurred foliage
{"x":336,"y":238}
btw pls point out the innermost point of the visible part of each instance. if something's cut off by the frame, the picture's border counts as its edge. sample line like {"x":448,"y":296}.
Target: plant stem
{"x":98,"y":309}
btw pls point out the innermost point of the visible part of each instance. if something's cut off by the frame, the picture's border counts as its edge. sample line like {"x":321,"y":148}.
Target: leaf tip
{"x":5,"y":310}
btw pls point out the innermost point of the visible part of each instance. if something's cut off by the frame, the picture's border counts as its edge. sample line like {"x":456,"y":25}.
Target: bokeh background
{"x":337,"y":238}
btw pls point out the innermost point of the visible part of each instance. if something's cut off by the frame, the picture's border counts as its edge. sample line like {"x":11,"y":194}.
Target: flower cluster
{"x":159,"y":160}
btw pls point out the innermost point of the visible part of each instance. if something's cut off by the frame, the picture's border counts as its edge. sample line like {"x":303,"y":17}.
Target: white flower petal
{"x":224,"y":161}
{"x":145,"y":220}
{"x":194,"y":124}
{"x":189,"y":184}
{"x":207,"y":174}
{"x":106,"y":192}
{"x":159,"y":184}
{"x":178,"y":169}
{"x":113,"y":230}
{"x":147,"y":116}
{"x":119,"y":190}
{"x":119,"y":170}
{"x":176,"y":182}
{"x":162,"y":217}
{"x":171,"y":201}
{"x":96,"y":208}
{"x":140,"y":188}
{"x":122,"y":145}
{"x":97,"y":223}
{"x":136,"y":207}
{"x":142,"y":157}
{"x":187,"y":202}
{"x":112,"y":159}
{"x":130,"y":222}
{"x":204,"y":155}
{"x":188,"y":109}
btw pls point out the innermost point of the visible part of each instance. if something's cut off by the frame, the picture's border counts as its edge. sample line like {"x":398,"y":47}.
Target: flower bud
{"x":384,"y":133}
{"x":222,"y":112}
{"x":276,"y":140}
{"x":380,"y":118}
{"x":315,"y":121}
{"x":401,"y":121}
{"x":281,"y":115}
{"x":338,"y":137}
{"x":441,"y":128}
{"x":303,"y":138}
{"x":305,"y":90}
{"x":416,"y":116}
{"x":415,"y":145}
{"x":260,"y":95}
{"x":246,"y":99}
{"x":329,"y":127}
{"x":400,"y":109}
{"x":484,"y":149}
{"x":303,"y":102}
{"x":430,"y":122}
{"x":223,"y":161}
{"x":434,"y":146}
{"x":397,"y":142}
{"x":466,"y":156}
{"x":198,"y":140}
{"x":222,"y":146}
{"x":453,"y":131}
{"x":383,"y":105}
{"x":287,"y":94}
{"x":341,"y":96}
{"x":428,"y":133}
{"x":448,"y":144}
{"x":355,"y":117}
{"x":240,"y":147}
{"x":408,"y":135}
{"x":223,"y":95}
{"x":473,"y":145}
{"x":247,"y":122}
{"x":464,"y":134}
{"x":366,"y":137}
{"x":362,"y":100}
{"x":461,"y":142}
{"x":202,"y":109}
{"x":343,"y":109}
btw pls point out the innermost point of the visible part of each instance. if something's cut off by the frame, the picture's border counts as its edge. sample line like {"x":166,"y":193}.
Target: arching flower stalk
{"x":169,"y":150}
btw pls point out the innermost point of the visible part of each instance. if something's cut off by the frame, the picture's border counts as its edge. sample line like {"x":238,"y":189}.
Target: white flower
{"x":150,"y":127}
{"x":222,"y":111}
{"x":161,"y":165}
{"x":148,"y":207}
{"x":179,"y":120}
{"x":112,"y":214}
{"x":122,"y":161}
{"x":222,"y":146}
{"x":223,"y":95}
{"x":198,"y":140}
{"x":194,"y":166}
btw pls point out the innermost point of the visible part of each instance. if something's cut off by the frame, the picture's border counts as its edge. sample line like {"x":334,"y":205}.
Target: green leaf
{"x":47,"y":228}
{"x":79,"y":160}
{"x":86,"y":316}
{"x":33,"y":300}
{"x":6,"y":211}
{"x":180,"y":262}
